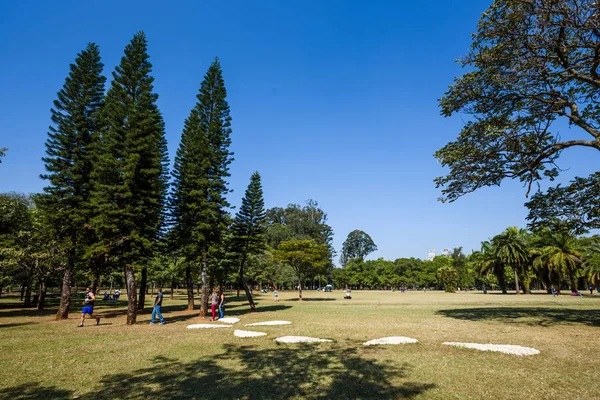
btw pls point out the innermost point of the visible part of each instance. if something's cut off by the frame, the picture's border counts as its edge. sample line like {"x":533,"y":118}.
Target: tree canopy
{"x":531,"y":65}
{"x":358,"y":244}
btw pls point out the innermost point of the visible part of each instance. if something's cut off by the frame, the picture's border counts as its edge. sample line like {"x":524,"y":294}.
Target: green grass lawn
{"x":53,"y":360}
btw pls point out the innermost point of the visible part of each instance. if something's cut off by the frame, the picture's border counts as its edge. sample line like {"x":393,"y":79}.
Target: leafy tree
{"x":131,"y":174}
{"x":487,"y":262}
{"x":574,"y":208}
{"x":306,"y":257}
{"x":591,"y":263}
{"x":358,"y":244}
{"x":448,"y":277}
{"x":511,"y":248}
{"x":531,"y":65}
{"x":249,"y":228}
{"x":558,"y":253}
{"x":297,"y":223}
{"x":198,"y":200}
{"x":69,"y":160}
{"x":2,"y":153}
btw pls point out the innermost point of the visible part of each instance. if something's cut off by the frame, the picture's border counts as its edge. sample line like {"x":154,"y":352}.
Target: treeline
{"x":515,"y":259}
{"x":112,"y":213}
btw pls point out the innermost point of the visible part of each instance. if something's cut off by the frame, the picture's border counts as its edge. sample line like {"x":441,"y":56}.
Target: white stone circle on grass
{"x":265,"y":323}
{"x":229,"y":320}
{"x":300,"y":339}
{"x":390,"y":340}
{"x":502,"y":348}
{"x":207,"y":326}
{"x":247,"y":334}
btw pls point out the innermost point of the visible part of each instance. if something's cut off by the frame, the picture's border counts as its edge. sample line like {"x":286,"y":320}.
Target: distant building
{"x":446,"y":252}
{"x":431,"y":255}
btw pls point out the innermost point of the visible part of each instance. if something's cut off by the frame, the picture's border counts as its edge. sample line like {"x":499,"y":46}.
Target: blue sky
{"x":331,"y":100}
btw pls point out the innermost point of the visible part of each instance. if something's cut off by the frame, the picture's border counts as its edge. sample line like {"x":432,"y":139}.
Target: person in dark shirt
{"x":157,"y":305}
{"x":88,"y":307}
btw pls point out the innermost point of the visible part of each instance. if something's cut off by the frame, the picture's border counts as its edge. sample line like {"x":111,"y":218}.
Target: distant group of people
{"x":115,"y":296}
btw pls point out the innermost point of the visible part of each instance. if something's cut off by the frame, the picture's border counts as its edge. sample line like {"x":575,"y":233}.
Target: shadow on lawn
{"x":526,"y":315}
{"x":277,"y":373}
{"x":30,"y":391}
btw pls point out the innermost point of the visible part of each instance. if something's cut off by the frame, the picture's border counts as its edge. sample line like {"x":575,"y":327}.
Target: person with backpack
{"x":156,"y":310}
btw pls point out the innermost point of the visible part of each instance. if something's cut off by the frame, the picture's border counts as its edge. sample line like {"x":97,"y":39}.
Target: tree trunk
{"x":243,"y":283}
{"x":143,"y":285}
{"x":27,"y":302}
{"x":526,"y":287}
{"x":190,"y":286}
{"x":95,"y":281}
{"x":573,"y":282}
{"x":502,"y":281}
{"x":131,"y":295}
{"x":203,"y":275}
{"x":517,"y":289}
{"x":42,"y":299}
{"x":65,"y":296}
{"x":172,"y":287}
{"x":300,"y":289}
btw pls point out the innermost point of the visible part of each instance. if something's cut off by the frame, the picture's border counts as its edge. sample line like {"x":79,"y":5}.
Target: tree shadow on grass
{"x":15,"y":324}
{"x":30,"y":391}
{"x":250,"y":372}
{"x":532,"y":316}
{"x":312,"y":299}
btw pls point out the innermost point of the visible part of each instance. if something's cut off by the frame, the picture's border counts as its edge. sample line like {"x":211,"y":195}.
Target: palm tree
{"x":591,"y":264}
{"x":558,"y":255}
{"x":511,"y":247}
{"x":486,"y":262}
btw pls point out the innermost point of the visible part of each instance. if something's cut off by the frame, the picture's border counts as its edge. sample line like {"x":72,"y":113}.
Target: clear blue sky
{"x":331,"y":100}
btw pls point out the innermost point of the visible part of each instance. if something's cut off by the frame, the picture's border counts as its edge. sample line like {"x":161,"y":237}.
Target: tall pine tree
{"x":131,"y":176}
{"x":249,"y":229}
{"x":198,"y":202}
{"x":68,"y":161}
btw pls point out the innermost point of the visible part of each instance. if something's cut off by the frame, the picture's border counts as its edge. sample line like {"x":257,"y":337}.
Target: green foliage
{"x":131,"y":174}
{"x":198,"y":202}
{"x":299,"y":223}
{"x":306,"y":257}
{"x":69,"y":161}
{"x":531,"y":64}
{"x":249,"y":226}
{"x":574,"y":208}
{"x":557,"y":255}
{"x":358,"y":245}
{"x":448,"y":278}
{"x":3,"y":151}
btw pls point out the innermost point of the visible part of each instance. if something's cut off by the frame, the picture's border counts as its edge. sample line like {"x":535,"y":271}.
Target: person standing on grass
{"x":157,"y":305}
{"x":88,"y":307}
{"x":214,"y":301}
{"x":276,"y":295}
{"x":221,"y":304}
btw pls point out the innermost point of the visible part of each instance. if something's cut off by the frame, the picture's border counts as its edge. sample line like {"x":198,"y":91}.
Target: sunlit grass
{"x":47,"y":359}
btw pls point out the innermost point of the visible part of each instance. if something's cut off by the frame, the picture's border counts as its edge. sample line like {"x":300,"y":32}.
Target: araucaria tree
{"x":358,"y":245}
{"x":249,"y":229}
{"x":131,"y":173}
{"x":75,"y":128}
{"x":532,"y":64}
{"x":306,"y":257}
{"x":198,"y":202}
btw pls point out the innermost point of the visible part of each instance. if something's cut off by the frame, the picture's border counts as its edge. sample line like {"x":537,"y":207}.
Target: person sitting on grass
{"x":88,"y":307}
{"x":156,"y":310}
